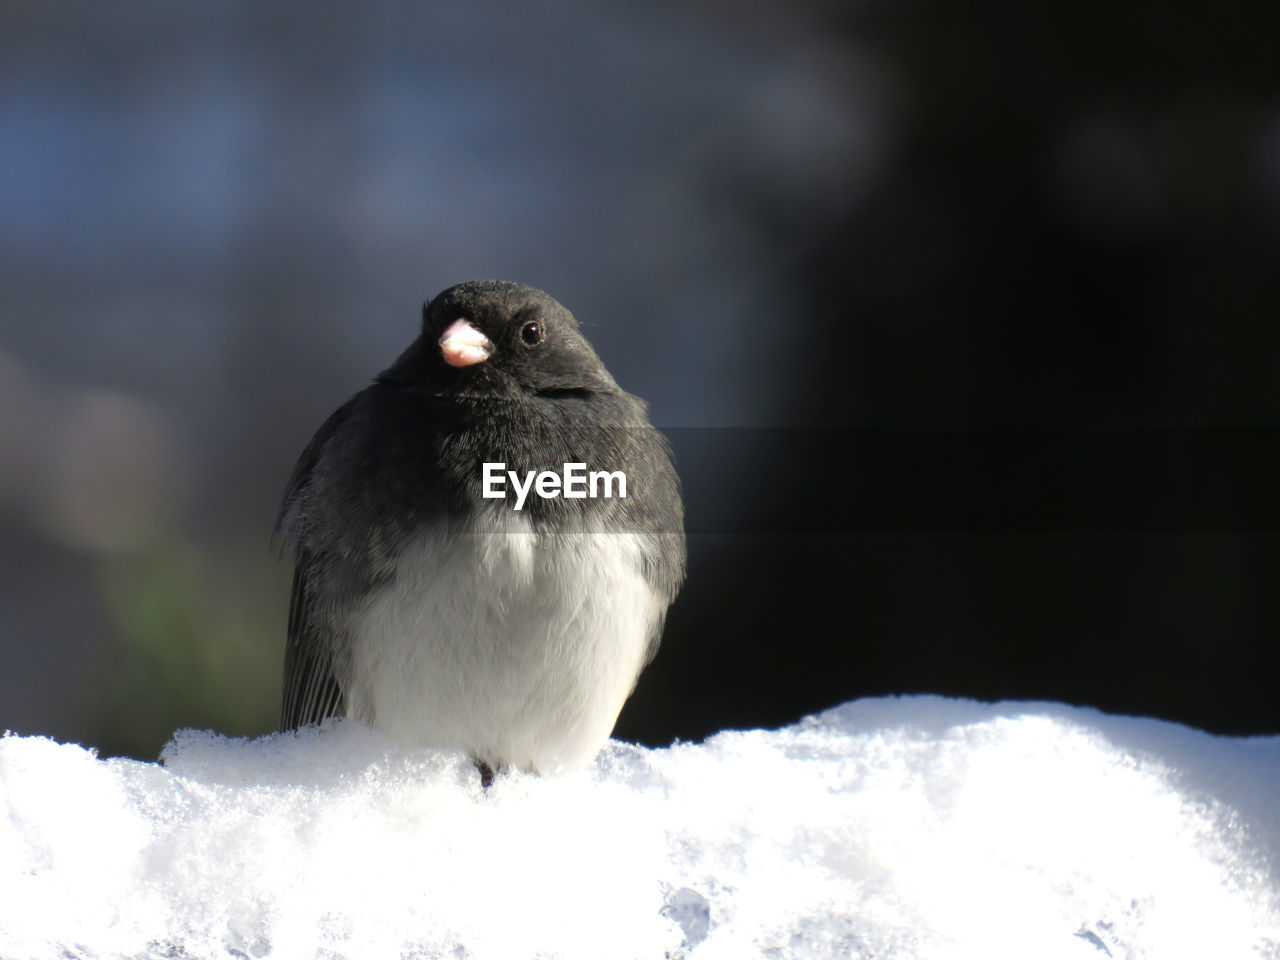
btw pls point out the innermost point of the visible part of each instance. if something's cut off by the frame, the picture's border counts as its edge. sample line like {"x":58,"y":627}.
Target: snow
{"x":912,"y":827}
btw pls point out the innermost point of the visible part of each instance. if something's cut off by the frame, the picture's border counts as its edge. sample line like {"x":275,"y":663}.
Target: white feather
{"x":516,"y":647}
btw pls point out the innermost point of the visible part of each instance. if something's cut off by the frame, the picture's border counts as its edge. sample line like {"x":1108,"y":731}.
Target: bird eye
{"x":531,"y":333}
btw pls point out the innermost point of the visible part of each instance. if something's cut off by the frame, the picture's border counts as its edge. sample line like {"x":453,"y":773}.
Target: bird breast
{"x":516,"y":646}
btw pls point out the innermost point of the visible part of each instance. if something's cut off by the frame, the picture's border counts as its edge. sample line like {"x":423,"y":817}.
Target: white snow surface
{"x":914,"y":827}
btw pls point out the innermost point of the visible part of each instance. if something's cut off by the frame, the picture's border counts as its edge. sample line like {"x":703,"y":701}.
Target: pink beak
{"x":463,"y":345}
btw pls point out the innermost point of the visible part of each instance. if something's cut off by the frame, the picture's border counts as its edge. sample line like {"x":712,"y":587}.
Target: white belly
{"x":515,"y":647}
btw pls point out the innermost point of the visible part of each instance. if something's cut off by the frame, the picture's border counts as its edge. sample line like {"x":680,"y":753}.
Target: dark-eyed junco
{"x":486,"y":541}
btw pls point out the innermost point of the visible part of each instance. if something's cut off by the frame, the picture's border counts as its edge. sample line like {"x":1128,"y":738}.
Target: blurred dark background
{"x":996,"y":287}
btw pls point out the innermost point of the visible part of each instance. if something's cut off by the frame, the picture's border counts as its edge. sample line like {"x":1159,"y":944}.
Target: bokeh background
{"x":831,"y":243}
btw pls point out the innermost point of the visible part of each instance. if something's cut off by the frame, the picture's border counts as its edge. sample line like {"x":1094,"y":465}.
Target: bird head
{"x":493,"y":338}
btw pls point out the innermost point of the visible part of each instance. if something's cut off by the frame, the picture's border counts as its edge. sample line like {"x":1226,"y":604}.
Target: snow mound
{"x":907,"y":828}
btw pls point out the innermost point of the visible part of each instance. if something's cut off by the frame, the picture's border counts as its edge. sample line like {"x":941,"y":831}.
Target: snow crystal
{"x":906,"y":828}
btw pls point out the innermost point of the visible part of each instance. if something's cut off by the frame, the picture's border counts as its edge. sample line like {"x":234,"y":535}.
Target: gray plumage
{"x":453,"y":621}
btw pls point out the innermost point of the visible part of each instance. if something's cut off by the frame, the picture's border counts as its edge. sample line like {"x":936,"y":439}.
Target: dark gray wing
{"x":664,"y":565}
{"x":310,"y":688}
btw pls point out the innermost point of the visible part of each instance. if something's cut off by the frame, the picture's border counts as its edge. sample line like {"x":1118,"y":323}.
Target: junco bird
{"x":432,"y":600}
